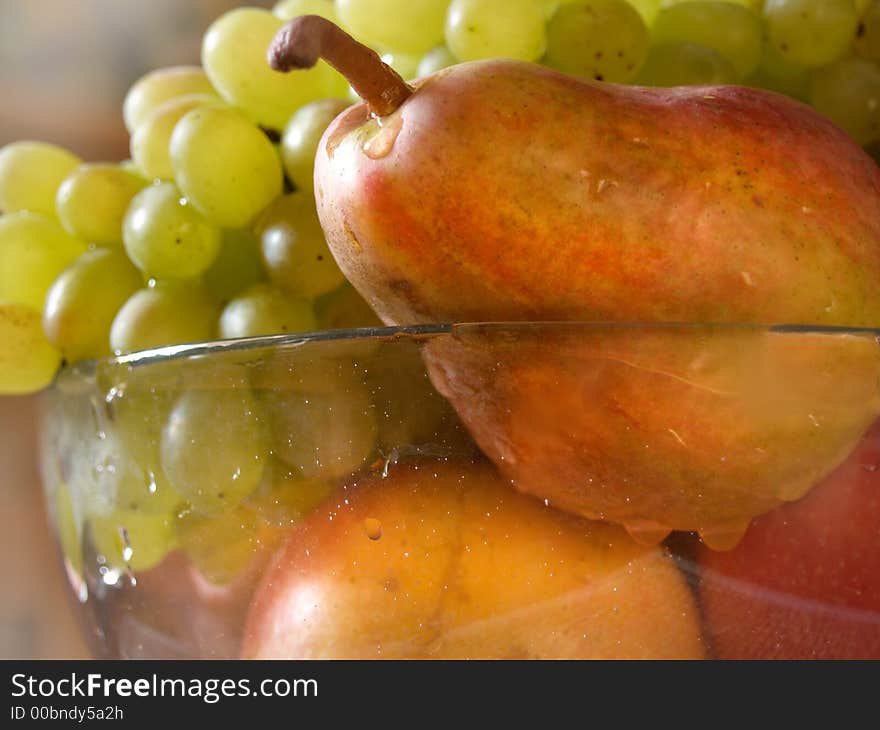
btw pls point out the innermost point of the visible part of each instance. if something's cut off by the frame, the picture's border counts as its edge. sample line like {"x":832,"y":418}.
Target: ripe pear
{"x":504,"y":191}
{"x":661,"y":428}
{"x":501,"y":190}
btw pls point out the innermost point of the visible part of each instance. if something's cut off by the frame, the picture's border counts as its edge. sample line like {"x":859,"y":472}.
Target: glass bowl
{"x":554,"y":490}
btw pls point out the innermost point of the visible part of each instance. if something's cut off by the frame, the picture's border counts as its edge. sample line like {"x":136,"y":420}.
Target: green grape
{"x":225,"y":166}
{"x":731,"y":30}
{"x":340,"y":364}
{"x":155,"y":88}
{"x":170,"y":313}
{"x":848,"y":93}
{"x":408,"y":27}
{"x":295,"y":252}
{"x":222,"y":545}
{"x":139,"y":411}
{"x":548,"y":7}
{"x":94,"y":471}
{"x":344,"y":308}
{"x":435,"y":59}
{"x":648,"y":9}
{"x":28,"y":361}
{"x":265,"y":310}
{"x":108,"y":478}
{"x":684,"y":64}
{"x":327,"y":433}
{"x":166,"y":237}
{"x":604,"y":40}
{"x":778,"y":74}
{"x":488,"y":28}
{"x":213,"y":448}
{"x":411,"y":413}
{"x":867,"y":42}
{"x":755,"y":5}
{"x":131,"y":167}
{"x":237,"y":266}
{"x":133,"y":540}
{"x":284,"y":498}
{"x":405,"y":64}
{"x":149,"y":493}
{"x":83,"y":300}
{"x":91,"y":202}
{"x":352,"y":97}
{"x":34,"y":250}
{"x":810,"y":32}
{"x":287,"y":9}
{"x":30,"y":173}
{"x":150,"y":141}
{"x":301,"y":138}
{"x":68,"y":528}
{"x":234,"y":56}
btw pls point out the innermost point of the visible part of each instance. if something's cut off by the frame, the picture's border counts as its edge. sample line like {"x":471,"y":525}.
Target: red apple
{"x":442,"y":560}
{"x":805,"y":580}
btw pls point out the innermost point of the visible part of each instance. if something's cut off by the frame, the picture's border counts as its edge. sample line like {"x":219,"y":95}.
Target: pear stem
{"x":307,"y":38}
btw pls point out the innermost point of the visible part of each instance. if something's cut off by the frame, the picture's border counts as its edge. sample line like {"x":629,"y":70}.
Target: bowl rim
{"x":207,"y":348}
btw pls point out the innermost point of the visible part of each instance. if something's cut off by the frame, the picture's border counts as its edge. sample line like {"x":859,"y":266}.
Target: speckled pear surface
{"x":505,"y":191}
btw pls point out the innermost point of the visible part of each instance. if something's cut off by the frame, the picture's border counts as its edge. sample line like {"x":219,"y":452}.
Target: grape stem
{"x":307,"y":38}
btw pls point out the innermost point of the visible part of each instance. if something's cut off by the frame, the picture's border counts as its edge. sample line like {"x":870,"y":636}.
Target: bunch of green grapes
{"x":823,"y":52}
{"x":209,"y":230}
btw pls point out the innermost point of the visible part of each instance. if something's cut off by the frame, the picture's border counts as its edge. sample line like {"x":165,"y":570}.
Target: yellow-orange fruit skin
{"x":444,"y":560}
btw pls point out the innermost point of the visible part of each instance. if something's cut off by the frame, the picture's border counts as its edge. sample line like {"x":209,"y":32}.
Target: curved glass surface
{"x":548,"y":490}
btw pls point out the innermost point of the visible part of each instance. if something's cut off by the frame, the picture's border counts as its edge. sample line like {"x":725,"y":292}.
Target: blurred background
{"x":65,"y":66}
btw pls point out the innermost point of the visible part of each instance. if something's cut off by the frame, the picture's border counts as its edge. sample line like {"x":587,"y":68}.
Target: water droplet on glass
{"x":110,"y":576}
{"x":117,"y":391}
{"x":390,"y":460}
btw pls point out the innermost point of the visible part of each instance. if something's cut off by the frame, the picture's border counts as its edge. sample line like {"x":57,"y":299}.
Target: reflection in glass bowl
{"x":486,"y":490}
